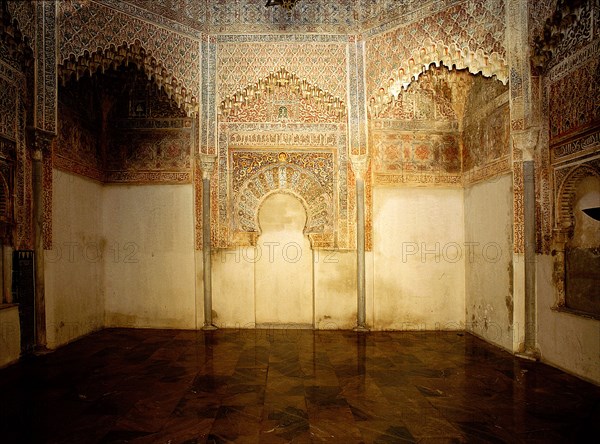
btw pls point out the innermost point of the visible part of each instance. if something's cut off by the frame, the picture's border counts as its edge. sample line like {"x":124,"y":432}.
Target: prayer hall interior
{"x":299,"y":221}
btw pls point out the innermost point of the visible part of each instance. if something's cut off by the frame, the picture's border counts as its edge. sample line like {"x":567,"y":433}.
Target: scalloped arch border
{"x":255,"y":207}
{"x":438,"y":53}
{"x":113,"y":57}
{"x":566,"y":194}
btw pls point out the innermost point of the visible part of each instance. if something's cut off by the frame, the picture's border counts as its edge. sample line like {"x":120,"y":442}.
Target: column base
{"x":530,"y":355}
{"x":361,"y":329}
{"x":41,"y":350}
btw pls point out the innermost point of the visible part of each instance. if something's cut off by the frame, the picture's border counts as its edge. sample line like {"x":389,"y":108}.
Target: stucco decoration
{"x":114,"y":134}
{"x":94,"y":36}
{"x":124,"y":55}
{"x":320,"y":63}
{"x":306,"y":175}
{"x":469,"y":35}
{"x":568,"y":28}
{"x":307,"y":160}
{"x":417,"y":140}
{"x":16,"y":105}
{"x":251,"y":102}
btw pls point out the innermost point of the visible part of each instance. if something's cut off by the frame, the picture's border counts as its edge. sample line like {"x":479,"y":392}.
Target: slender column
{"x":359,"y":167}
{"x":529,"y":228}
{"x":526,"y":142}
{"x":41,"y":147}
{"x":207,"y":164}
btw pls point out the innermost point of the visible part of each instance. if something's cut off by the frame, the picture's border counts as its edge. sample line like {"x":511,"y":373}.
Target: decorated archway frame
{"x":309,"y":160}
{"x":256,"y":174}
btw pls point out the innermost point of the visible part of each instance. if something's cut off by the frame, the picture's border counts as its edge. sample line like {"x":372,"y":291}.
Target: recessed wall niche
{"x":118,"y":127}
{"x":583,"y":251}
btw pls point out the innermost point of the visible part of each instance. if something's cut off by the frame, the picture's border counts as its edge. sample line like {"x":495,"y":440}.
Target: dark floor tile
{"x":286,"y":423}
{"x":122,"y":436}
{"x":276,"y":386}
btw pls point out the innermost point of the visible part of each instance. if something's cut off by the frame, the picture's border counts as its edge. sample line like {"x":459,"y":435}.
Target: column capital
{"x":40,"y":142}
{"x":207,"y":164}
{"x":526,"y":141}
{"x":359,"y":164}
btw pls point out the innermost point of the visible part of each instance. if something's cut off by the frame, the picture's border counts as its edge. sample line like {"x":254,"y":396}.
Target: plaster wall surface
{"x":150,"y":264}
{"x":565,"y":340}
{"x":233,"y":287}
{"x":335,"y":289}
{"x":418,"y":264}
{"x":489,"y":268}
{"x":74,"y":267}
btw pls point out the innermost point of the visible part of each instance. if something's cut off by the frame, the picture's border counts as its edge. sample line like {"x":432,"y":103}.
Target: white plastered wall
{"x":565,"y":340}
{"x":149,"y":274}
{"x":489,"y":268}
{"x":418,"y":259}
{"x":74,"y":266}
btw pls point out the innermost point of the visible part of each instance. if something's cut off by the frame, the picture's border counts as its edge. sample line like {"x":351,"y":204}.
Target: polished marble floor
{"x":300,"y":386}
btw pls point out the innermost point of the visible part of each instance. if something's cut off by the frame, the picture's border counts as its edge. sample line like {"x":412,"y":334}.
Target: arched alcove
{"x":283,"y":264}
{"x":129,"y":242}
{"x":582,"y":251}
{"x":432,"y":57}
{"x":568,"y":195}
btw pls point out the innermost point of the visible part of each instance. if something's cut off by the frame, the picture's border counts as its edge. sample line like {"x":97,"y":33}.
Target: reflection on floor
{"x":272,"y":386}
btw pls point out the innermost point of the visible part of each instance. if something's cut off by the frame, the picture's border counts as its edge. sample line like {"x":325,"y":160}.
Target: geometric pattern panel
{"x":321,"y":64}
{"x":574,"y":102}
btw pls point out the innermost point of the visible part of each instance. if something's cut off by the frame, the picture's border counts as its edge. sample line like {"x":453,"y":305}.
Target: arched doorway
{"x":284,"y":268}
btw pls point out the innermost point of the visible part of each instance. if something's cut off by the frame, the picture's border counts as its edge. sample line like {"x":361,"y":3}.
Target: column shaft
{"x":206,"y":254}
{"x":530,"y":242}
{"x":360,"y":253}
{"x":38,"y":219}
